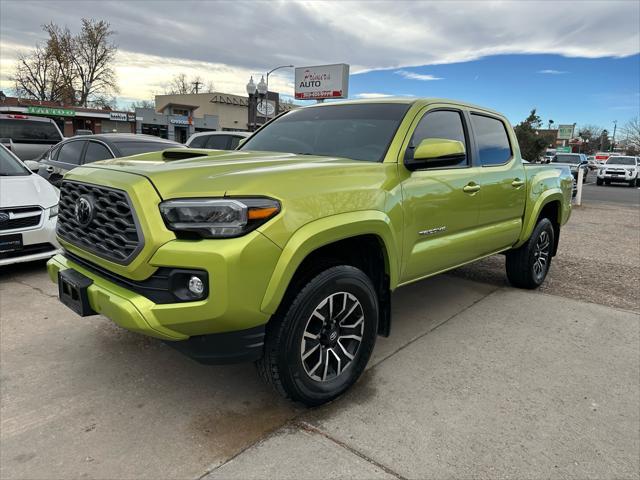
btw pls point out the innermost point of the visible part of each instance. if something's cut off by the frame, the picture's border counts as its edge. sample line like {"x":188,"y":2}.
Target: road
{"x":477,"y":380}
{"x":619,"y":194}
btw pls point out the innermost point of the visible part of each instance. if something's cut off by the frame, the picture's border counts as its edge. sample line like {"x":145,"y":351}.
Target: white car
{"x":28,"y":212}
{"x":225,"y":140}
{"x":620,"y":168}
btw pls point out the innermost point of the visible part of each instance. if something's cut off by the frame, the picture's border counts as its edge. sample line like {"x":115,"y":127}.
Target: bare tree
{"x":631,"y":132}
{"x":180,"y":84}
{"x":142,"y":104}
{"x":37,"y":76}
{"x":85,"y":61}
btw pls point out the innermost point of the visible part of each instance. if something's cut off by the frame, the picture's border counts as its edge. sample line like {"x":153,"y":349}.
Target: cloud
{"x":373,"y":95}
{"x":551,"y":72}
{"x":416,"y":76}
{"x":228,"y":41}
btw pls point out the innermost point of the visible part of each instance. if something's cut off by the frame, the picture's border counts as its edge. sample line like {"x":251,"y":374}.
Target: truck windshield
{"x":358,"y":132}
{"x":560,"y":158}
{"x":10,"y":167}
{"x":621,"y":161}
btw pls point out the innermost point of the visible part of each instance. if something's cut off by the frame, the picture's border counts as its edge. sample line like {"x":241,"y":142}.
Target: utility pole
{"x":613,"y":141}
{"x":196,"y":86}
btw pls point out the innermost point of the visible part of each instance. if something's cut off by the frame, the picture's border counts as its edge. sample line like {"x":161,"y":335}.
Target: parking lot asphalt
{"x":477,"y":380}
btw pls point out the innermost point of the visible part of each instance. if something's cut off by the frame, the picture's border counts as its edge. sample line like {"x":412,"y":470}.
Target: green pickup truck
{"x":285,"y":252}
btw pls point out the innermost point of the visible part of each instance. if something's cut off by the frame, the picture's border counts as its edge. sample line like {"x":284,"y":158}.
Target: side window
{"x":445,"y":124}
{"x":234,"y":142}
{"x":70,"y":152}
{"x":492,"y":139}
{"x":96,"y":151}
{"x":218,"y":142}
{"x":199,"y":142}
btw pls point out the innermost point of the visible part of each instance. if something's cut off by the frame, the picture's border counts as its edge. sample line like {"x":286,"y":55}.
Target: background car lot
{"x":508,"y":383}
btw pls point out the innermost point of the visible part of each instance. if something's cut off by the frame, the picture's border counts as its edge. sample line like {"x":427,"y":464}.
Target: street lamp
{"x":251,"y":87}
{"x":266,"y":112}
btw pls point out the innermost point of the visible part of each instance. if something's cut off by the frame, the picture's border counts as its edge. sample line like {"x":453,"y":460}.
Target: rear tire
{"x":528,"y":265}
{"x":319,"y":343}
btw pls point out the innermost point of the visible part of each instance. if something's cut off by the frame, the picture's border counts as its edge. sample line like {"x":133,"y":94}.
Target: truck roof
{"x":407,"y":101}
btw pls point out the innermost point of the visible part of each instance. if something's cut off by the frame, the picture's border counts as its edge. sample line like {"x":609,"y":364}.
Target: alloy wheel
{"x":332,"y":336}
{"x":541,"y":254}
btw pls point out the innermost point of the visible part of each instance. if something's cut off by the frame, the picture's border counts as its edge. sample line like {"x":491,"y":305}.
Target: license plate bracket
{"x":73,"y":292}
{"x":11,"y":243}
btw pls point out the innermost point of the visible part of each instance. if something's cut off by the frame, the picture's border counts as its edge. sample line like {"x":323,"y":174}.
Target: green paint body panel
{"x":424,"y":219}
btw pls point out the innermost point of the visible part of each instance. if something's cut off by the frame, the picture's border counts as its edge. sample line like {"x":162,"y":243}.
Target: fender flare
{"x":322,"y":232}
{"x":531,"y":214}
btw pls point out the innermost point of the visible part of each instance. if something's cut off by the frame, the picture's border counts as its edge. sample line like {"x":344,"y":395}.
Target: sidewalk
{"x":518,"y":385}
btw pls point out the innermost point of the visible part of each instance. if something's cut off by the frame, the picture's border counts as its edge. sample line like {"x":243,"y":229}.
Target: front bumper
{"x":39,"y":243}
{"x":239,"y":270}
{"x":620,"y":177}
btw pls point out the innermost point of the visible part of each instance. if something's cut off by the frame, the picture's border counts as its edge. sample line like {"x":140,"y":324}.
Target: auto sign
{"x":322,"y":81}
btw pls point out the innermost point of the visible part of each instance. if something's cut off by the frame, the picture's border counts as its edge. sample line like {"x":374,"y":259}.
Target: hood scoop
{"x":183,"y":154}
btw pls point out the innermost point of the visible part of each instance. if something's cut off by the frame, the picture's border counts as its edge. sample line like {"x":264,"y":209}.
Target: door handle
{"x":517,"y":183}
{"x":471,"y":188}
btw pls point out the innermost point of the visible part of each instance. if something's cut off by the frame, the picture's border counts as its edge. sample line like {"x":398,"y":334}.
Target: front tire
{"x":599,"y":181}
{"x":528,"y":265}
{"x":319,"y":343}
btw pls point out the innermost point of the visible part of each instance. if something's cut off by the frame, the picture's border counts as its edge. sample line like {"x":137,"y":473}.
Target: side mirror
{"x":32,"y":165}
{"x":436,"y":153}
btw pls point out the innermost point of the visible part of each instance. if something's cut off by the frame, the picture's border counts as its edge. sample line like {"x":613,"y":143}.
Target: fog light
{"x":196,"y":286}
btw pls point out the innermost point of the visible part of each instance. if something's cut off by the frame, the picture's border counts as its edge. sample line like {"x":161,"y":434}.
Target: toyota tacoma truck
{"x":286,"y":251}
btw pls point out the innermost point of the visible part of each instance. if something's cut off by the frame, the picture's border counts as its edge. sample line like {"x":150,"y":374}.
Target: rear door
{"x":502,"y":194}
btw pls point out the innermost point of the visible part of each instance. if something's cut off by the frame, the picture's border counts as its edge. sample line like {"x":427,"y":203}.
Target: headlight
{"x":217,"y":217}
{"x":53,"y":211}
{"x":631,"y":170}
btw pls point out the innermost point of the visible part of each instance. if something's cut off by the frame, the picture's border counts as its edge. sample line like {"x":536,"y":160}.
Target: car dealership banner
{"x":565,"y":132}
{"x":322,"y":81}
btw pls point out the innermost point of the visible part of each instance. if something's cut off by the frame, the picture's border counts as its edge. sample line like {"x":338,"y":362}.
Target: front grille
{"x":20,"y":217}
{"x":112,"y":232}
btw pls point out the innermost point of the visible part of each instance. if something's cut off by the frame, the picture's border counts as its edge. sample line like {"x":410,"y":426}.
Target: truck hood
{"x":27,"y":190}
{"x":219,"y":173}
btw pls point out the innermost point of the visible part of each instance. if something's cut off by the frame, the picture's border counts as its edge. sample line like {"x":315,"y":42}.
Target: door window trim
{"x":467,"y":134}
{"x":506,"y":131}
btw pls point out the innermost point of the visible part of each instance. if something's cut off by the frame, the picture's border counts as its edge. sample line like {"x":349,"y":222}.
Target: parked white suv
{"x":620,"y":169}
{"x":28,"y":212}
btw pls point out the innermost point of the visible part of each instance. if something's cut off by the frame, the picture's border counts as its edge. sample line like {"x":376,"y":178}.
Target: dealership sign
{"x":58,"y":112}
{"x":118,"y":116}
{"x":266,"y":108}
{"x":565,"y":132}
{"x":323,"y":81}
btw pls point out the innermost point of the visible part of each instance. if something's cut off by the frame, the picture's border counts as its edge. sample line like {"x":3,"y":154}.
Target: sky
{"x":575,"y":61}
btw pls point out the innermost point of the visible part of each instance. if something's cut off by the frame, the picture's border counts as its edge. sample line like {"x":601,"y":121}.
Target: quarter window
{"x":492,"y":139}
{"x":70,"y":152}
{"x":218,"y":142}
{"x":445,"y":124}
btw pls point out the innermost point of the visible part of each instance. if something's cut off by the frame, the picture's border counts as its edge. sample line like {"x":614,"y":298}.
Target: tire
{"x":632,"y":183}
{"x":528,"y":265}
{"x":607,"y":182}
{"x":638,"y":182}
{"x":300,"y":328}
{"x":599,"y":181}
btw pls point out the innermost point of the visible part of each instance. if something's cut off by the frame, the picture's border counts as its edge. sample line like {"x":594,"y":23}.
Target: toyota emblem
{"x":4,"y":217}
{"x":84,"y":210}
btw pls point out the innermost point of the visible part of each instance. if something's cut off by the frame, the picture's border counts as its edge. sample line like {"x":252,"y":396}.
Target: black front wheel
{"x":319,"y":343}
{"x":528,"y":265}
{"x":599,"y":181}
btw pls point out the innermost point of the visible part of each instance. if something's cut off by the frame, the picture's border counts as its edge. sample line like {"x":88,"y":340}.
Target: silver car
{"x":28,"y":137}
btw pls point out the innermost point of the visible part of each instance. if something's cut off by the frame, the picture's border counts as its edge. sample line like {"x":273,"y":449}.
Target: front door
{"x":440,"y":204}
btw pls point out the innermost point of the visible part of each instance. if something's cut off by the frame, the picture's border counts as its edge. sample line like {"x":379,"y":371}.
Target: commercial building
{"x":70,"y":118}
{"x":176,"y":117}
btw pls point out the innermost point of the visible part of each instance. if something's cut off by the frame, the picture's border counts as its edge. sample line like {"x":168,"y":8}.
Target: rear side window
{"x":96,"y":151}
{"x":29,"y":131}
{"x":492,"y":139}
{"x":199,"y":142}
{"x":70,"y":152}
{"x":134,"y":148}
{"x":218,"y":142}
